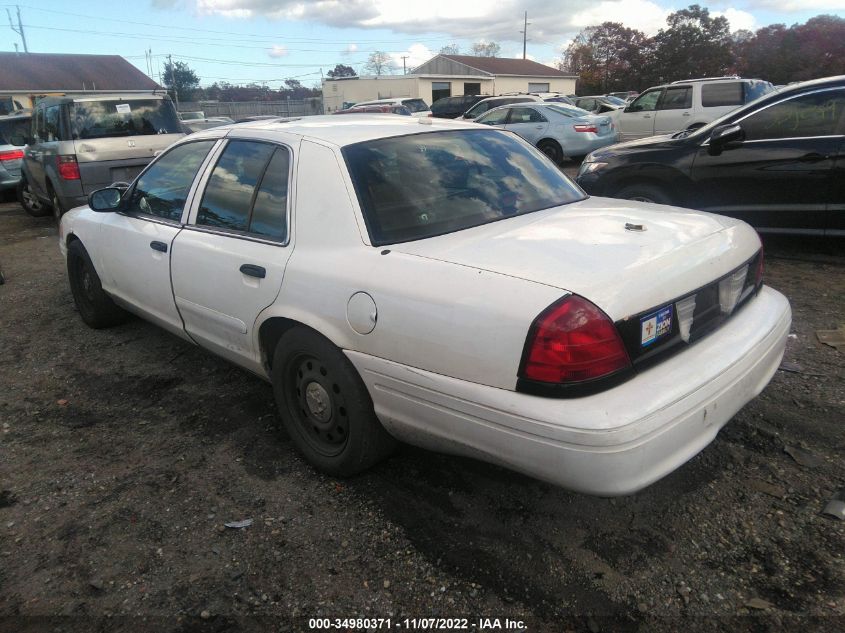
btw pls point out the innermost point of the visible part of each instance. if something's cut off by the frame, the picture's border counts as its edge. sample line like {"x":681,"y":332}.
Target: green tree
{"x":694,"y":45}
{"x":607,"y":58}
{"x":486,"y":49}
{"x":341,"y":70}
{"x":380,"y":63}
{"x":180,"y":80}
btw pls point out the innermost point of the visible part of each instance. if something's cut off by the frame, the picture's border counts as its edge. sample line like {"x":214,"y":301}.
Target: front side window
{"x":494,"y":117}
{"x":422,"y":185}
{"x":646,"y":102}
{"x":526,"y":115}
{"x":133,"y":117}
{"x":247,"y":190}
{"x":678,"y":98}
{"x":162,"y":190}
{"x":816,"y":114}
{"x":723,"y":94}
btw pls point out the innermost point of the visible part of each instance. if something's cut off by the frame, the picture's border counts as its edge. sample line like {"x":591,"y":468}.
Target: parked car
{"x":559,"y":131}
{"x":776,"y":163}
{"x":391,"y":108}
{"x":81,"y":144}
{"x":494,"y":102}
{"x":191,"y":116}
{"x":14,"y":131}
{"x":625,"y":95}
{"x":686,"y":104}
{"x":258,"y":117}
{"x":453,"y":107}
{"x":441,"y":284}
{"x":418,"y":107}
{"x":190,"y":126}
{"x":600,"y":104}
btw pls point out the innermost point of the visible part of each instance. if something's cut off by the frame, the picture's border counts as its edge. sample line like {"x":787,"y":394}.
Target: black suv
{"x":778,"y":163}
{"x":453,"y":107}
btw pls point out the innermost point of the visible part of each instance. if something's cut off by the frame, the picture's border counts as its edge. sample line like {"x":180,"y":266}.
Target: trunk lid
{"x":585,"y":248}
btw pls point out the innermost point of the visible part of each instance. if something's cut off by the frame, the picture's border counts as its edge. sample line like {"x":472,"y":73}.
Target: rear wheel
{"x":552,"y":150}
{"x":324,"y":405}
{"x":95,"y":307}
{"x":29,"y":201}
{"x":56,"y":203}
{"x":644,"y":193}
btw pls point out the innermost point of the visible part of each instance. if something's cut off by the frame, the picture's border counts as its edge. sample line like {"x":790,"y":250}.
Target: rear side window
{"x":676,"y":98}
{"x":162,"y":190}
{"x":133,"y":117}
{"x":14,"y":131}
{"x":52,"y":123}
{"x":247,"y":190}
{"x":526,"y":115}
{"x":817,"y":114}
{"x":421,"y":185}
{"x":722,"y":94}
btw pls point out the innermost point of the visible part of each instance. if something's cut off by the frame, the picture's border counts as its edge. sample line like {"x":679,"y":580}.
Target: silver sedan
{"x":559,"y":130}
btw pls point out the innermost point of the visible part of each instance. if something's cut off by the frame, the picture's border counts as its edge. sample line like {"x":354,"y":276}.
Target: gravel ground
{"x":123,"y":452}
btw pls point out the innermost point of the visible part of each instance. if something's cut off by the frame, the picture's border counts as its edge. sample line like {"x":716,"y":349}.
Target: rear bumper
{"x":612,"y":443}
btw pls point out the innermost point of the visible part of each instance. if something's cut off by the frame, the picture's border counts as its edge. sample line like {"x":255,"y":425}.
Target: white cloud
{"x":636,"y":14}
{"x":788,"y":6}
{"x":416,"y":54}
{"x":278,"y":50}
{"x":350,"y":48}
{"x":739,"y":19}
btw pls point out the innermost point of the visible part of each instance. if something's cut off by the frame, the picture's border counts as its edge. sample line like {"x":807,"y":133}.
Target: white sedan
{"x":444,"y":284}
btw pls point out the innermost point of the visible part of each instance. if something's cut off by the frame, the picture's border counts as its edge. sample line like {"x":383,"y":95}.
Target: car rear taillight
{"x":572,"y":341}
{"x":11,"y":154}
{"x":68,"y":167}
{"x":586,"y":127}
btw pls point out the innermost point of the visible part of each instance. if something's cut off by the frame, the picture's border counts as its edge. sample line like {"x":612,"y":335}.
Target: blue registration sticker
{"x":655,"y":326}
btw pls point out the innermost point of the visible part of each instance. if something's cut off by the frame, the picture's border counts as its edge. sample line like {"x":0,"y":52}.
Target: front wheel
{"x":643,"y":193}
{"x":325,"y":406}
{"x":95,"y":307}
{"x":29,"y":201}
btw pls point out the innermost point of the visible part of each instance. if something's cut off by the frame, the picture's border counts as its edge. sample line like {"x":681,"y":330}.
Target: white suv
{"x":687,"y":104}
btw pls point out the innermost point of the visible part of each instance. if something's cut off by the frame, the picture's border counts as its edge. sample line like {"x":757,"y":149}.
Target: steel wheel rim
{"x":316,"y":403}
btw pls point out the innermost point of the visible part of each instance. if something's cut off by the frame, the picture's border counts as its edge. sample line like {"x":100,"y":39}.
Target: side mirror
{"x":105,"y":199}
{"x":723,"y":136}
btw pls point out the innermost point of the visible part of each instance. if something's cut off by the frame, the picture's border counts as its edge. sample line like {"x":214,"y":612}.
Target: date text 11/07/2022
{"x":418,"y":624}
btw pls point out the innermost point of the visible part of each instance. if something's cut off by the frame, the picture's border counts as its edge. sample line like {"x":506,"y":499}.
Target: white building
{"x":450,"y":76}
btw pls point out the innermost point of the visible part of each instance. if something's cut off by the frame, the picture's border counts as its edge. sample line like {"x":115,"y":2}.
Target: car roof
{"x":344,"y":130}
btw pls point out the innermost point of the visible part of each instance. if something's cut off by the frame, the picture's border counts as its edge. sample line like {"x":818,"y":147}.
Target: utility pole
{"x":173,"y":80}
{"x":18,"y":30}
{"x":404,"y":70}
{"x":524,"y":32}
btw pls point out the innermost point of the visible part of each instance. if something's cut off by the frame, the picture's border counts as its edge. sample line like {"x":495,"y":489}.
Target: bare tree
{"x":450,"y":49}
{"x":380,"y":63}
{"x":486,"y":49}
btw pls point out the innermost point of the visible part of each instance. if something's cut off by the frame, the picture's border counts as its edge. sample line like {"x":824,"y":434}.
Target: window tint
{"x":13,"y":131}
{"x":755,"y":89}
{"x":568,"y":111}
{"x":495,"y":117}
{"x":646,"y":101}
{"x":133,"y":117}
{"x":269,"y":213}
{"x":677,"y":98}
{"x":724,"y":94}
{"x":228,"y":195}
{"x":421,"y":185}
{"x":815,"y":114}
{"x":52,"y":123}
{"x":526,"y":115}
{"x":162,"y":189}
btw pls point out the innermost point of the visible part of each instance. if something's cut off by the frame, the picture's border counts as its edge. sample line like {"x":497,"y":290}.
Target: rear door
{"x":528,"y":123}
{"x":674,"y":110}
{"x":135,"y":243}
{"x":41,"y":156}
{"x":637,"y":120}
{"x":780,"y":177}
{"x":228,"y":263}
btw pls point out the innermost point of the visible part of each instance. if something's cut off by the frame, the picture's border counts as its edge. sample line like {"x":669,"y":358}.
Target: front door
{"x":137,"y":242}
{"x":637,"y":120}
{"x":780,"y":176}
{"x":229,"y":262}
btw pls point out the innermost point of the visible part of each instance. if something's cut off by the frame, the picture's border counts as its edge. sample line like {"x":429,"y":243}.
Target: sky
{"x":268,"y":41}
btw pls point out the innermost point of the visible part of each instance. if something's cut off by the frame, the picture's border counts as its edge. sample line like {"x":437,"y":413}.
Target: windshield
{"x":615,"y":100}
{"x":422,"y":185}
{"x":190,"y":116}
{"x":101,"y":119}
{"x":14,"y":131}
{"x":415,"y":105}
{"x":570,"y":111}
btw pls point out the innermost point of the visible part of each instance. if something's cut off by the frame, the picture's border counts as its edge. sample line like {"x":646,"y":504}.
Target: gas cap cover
{"x":361,"y":313}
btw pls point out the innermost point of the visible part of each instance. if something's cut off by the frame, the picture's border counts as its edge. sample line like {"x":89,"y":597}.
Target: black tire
{"x":552,"y":150}
{"x":578,"y":159}
{"x":644,"y":193}
{"x":30,"y":202}
{"x":325,"y":406}
{"x":56,"y":204}
{"x":95,"y":307}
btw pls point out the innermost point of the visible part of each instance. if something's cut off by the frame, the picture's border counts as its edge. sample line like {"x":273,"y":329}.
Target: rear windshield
{"x":415,"y":105}
{"x":14,"y":131}
{"x":756,"y":89}
{"x":101,"y":119}
{"x":422,"y":185}
{"x":570,"y":111}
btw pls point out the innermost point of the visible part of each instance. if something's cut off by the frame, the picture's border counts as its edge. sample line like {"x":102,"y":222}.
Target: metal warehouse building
{"x":450,"y":76}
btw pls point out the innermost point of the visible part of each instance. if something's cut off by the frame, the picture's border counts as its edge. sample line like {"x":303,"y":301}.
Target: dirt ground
{"x":124,"y":451}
